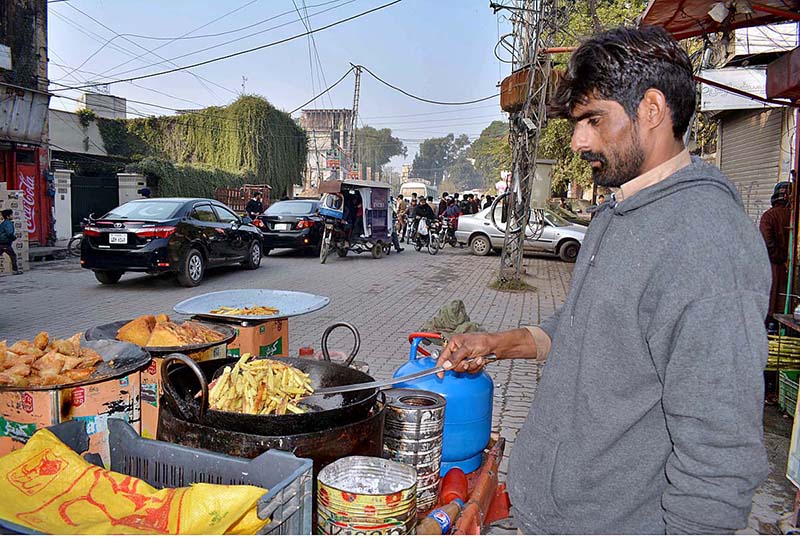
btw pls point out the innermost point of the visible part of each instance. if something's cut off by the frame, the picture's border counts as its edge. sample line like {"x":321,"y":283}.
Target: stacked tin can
{"x":412,"y":435}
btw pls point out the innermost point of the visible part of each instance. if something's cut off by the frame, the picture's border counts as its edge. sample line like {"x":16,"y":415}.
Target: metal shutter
{"x":750,"y":155}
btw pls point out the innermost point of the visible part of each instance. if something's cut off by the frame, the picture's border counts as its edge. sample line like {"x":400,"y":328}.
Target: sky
{"x":437,"y":49}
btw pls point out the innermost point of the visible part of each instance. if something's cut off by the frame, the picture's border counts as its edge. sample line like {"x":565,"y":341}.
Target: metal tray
{"x":289,"y":303}
{"x":109,"y":331}
{"x":119,"y":359}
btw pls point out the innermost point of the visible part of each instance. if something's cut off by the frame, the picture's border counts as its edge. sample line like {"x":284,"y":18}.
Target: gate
{"x":96,"y":195}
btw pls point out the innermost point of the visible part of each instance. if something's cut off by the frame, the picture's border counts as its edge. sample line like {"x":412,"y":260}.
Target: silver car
{"x":546,"y":232}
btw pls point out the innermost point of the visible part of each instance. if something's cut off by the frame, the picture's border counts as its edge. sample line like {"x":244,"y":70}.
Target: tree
{"x":464,"y":175}
{"x":492,"y":153}
{"x":436,"y":155}
{"x":376,"y":147}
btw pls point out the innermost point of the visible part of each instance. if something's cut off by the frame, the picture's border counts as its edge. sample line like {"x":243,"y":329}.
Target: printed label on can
{"x":152,"y":367}
{"x":443,"y":519}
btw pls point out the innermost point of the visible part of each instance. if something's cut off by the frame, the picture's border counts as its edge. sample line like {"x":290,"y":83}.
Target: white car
{"x":551,"y":234}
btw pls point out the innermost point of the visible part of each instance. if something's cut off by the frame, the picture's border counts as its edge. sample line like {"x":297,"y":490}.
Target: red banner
{"x":26,"y":179}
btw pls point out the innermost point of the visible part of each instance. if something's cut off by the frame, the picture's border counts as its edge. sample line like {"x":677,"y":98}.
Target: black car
{"x":181,"y":235}
{"x":292,"y":224}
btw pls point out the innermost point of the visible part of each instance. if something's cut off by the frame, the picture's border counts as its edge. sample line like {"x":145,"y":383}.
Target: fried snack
{"x":251,"y":310}
{"x":260,"y":387}
{"x":159,"y":331}
{"x":138,"y":330}
{"x":46,"y":361}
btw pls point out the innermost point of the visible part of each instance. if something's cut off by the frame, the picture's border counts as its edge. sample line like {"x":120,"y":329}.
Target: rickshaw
{"x":358,"y":218}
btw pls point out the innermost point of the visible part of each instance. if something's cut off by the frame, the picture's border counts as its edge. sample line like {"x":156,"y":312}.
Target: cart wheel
{"x":377,"y":250}
{"x":325,"y":247}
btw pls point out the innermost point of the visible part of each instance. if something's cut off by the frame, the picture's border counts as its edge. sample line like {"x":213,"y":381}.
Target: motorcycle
{"x":74,"y":244}
{"x":427,"y":236}
{"x":448,"y":233}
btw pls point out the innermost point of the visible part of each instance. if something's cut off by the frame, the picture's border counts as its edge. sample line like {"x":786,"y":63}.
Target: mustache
{"x":590,"y":156}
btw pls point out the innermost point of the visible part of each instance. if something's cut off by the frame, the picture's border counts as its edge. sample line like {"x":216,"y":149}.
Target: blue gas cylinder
{"x":468,"y":414}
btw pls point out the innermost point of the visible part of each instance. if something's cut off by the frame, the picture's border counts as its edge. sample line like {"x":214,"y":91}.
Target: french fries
{"x":260,"y":387}
{"x":251,"y":310}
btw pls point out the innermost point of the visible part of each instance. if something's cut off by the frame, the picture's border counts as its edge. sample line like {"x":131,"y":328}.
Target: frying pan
{"x":324,"y":411}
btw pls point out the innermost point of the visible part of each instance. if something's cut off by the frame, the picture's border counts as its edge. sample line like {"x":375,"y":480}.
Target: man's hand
{"x":517,"y":343}
{"x":460,"y":348}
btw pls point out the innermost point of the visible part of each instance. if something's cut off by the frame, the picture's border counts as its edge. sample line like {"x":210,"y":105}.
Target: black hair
{"x":621,"y":65}
{"x":7,"y":213}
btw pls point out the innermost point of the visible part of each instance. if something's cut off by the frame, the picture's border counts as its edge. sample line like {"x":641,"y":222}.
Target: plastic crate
{"x":287,"y":478}
{"x":787,"y":390}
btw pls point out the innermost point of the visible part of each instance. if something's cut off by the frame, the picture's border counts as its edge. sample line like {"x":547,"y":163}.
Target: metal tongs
{"x":381,"y":384}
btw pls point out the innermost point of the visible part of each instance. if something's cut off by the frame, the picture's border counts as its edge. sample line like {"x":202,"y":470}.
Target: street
{"x":386,"y":299}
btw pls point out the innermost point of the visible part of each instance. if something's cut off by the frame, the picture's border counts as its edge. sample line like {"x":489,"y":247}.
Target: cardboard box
{"x":270,"y":338}
{"x":152,"y":388}
{"x":22,"y":413}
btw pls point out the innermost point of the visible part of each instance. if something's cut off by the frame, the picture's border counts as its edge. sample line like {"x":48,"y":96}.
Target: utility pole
{"x":534,"y":32}
{"x":351,"y":149}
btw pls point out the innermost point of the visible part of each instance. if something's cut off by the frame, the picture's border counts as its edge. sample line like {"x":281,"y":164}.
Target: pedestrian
{"x":474,"y":204}
{"x":632,"y":430}
{"x":254,"y":207}
{"x":7,"y":238}
{"x":453,"y":210}
{"x":774,"y":226}
{"x":488,"y":202}
{"x":144,"y":192}
{"x":600,"y":200}
{"x":442,"y":204}
{"x":401,"y":209}
{"x":395,"y":221}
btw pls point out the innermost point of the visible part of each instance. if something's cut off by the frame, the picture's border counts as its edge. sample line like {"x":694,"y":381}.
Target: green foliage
{"x":436,"y":155}
{"x":184,"y":180}
{"x":492,"y":153}
{"x":249,"y":137}
{"x":377,"y":147}
{"x":85,"y":116}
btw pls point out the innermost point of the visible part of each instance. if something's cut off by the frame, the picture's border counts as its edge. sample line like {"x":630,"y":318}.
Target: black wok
{"x":183,"y":382}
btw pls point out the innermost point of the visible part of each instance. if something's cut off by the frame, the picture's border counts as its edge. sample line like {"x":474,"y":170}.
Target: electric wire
{"x":423,"y":99}
{"x":218,"y":45}
{"x":249,"y":50}
{"x":326,"y":90}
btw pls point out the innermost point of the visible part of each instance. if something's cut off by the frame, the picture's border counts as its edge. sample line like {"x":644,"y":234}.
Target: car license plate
{"x":283,"y":227}
{"x":117,"y":238}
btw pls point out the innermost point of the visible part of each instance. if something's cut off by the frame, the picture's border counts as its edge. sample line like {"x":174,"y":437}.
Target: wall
{"x":129,"y":185}
{"x":105,"y":106}
{"x":68,"y":134}
{"x":23,"y":27}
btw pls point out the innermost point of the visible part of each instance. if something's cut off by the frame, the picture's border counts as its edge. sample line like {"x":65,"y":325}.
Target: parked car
{"x":292,"y":224}
{"x":555,"y":235}
{"x":180,"y":235}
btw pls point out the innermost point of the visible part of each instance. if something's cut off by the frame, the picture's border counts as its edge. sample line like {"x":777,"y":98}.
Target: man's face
{"x":608,"y":139}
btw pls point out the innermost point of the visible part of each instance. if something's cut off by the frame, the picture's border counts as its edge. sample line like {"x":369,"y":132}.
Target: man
{"x":632,"y":429}
{"x":601,"y":199}
{"x":424,"y":210}
{"x":442,"y":204}
{"x":254,"y":207}
{"x":401,"y":209}
{"x":7,"y":238}
{"x":412,"y":219}
{"x":774,"y":226}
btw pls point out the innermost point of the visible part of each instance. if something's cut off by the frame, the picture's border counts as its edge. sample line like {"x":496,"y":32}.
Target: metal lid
{"x":288,"y":303}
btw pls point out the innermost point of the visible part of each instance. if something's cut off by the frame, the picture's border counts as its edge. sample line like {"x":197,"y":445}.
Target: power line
{"x":247,"y":51}
{"x":404,"y":92}
{"x":197,"y":77}
{"x":326,"y":90}
{"x":218,"y":45}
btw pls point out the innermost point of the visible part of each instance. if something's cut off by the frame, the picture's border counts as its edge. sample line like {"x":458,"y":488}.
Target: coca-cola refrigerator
{"x":24,"y":167}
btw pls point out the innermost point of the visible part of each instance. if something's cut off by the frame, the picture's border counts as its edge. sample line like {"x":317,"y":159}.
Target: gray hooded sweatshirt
{"x":648,"y":416}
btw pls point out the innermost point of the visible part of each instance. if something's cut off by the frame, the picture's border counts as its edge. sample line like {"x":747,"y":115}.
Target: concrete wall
{"x":107,"y":106}
{"x":23,"y":28}
{"x":129,"y":185}
{"x":68,"y":134}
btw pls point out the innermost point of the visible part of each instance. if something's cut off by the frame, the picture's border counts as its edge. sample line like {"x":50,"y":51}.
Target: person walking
{"x":7,"y":238}
{"x":442,"y":204}
{"x":632,"y":430}
{"x":254,"y":207}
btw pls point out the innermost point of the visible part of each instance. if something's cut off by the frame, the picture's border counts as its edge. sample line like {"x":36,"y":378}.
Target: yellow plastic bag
{"x":48,"y":487}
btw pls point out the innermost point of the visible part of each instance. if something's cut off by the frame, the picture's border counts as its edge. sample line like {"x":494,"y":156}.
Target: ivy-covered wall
{"x":247,"y":141}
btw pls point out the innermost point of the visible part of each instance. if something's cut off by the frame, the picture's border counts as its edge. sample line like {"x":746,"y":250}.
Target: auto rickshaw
{"x":358,"y":218}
